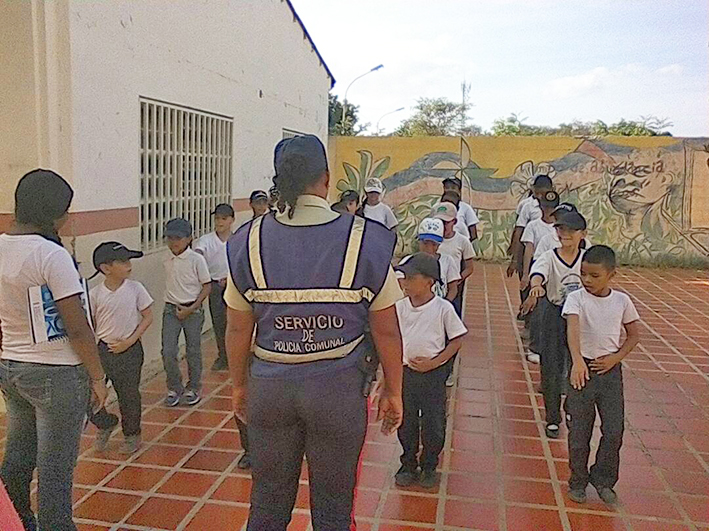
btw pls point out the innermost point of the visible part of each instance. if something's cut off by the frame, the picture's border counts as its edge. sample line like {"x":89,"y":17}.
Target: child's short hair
{"x":601,"y":254}
{"x":542,"y":182}
{"x":451,"y":197}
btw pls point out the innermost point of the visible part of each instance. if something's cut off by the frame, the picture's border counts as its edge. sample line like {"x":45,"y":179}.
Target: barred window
{"x":185,"y":167}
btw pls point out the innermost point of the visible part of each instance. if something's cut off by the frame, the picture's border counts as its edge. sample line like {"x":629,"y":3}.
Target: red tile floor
{"x":498,"y":471}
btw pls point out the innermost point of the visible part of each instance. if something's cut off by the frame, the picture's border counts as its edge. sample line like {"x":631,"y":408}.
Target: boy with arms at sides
{"x":123,"y":312}
{"x":553,"y":277}
{"x":213,"y":247}
{"x":259,"y":203}
{"x":597,"y":318}
{"x":429,"y":239}
{"x":467,"y":223}
{"x":533,"y":234}
{"x":432,"y":333}
{"x":373,"y":208}
{"x":187,"y":285}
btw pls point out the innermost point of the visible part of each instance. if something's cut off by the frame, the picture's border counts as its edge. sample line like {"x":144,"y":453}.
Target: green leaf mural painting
{"x":646,"y":197}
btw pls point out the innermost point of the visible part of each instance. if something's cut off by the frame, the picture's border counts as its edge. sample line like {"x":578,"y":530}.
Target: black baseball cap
{"x":223,"y":210}
{"x":542,"y":182}
{"x":178,"y":228}
{"x":549,"y":200}
{"x":349,"y":195}
{"x":572,"y":221}
{"x":422,"y":264}
{"x":308,"y":148}
{"x":564,"y":208}
{"x":258,"y":195}
{"x":453,"y":180}
{"x":108,"y":252}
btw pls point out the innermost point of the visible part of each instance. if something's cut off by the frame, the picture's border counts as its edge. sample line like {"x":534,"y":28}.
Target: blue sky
{"x":550,"y":61}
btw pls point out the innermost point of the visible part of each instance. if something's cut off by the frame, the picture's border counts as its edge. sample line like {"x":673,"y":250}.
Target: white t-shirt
{"x":536,"y":231}
{"x":560,"y":278}
{"x":528,"y":211}
{"x":25,"y":262}
{"x":601,"y":320}
{"x":117,"y":313}
{"x":466,"y":218}
{"x":186,"y":274}
{"x":450,"y":272}
{"x":425,"y":329}
{"x":547,"y":243}
{"x":381,"y":213}
{"x":214,"y":251}
{"x":457,"y":247}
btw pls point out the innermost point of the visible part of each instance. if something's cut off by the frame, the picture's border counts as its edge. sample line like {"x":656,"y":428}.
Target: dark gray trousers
{"x":323,"y":417}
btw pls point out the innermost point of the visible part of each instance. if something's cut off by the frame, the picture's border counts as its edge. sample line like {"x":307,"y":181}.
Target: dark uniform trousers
{"x":605,"y":392}
{"x":289,"y":418}
{"x":124,"y":371}
{"x":554,"y":355}
{"x":217,"y":308}
{"x":243,"y":434}
{"x":424,"y":392}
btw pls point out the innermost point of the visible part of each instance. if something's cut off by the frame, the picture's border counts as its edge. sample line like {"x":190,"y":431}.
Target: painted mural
{"x":648,"y":198}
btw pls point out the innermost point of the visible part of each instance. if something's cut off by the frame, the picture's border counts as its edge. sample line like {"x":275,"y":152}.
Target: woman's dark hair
{"x":292,"y":180}
{"x":41,"y":198}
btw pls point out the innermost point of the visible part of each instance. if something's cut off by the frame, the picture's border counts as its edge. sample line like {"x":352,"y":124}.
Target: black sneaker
{"x":245,"y":462}
{"x":220,"y":365}
{"x":607,"y":494}
{"x":577,"y":495}
{"x":552,"y":431}
{"x":429,"y":479}
{"x":406,"y":477}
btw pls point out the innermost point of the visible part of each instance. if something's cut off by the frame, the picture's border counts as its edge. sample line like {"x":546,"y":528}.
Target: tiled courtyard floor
{"x":498,"y":471}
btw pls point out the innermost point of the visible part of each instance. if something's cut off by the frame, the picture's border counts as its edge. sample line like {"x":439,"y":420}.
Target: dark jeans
{"x":323,"y":417}
{"x":554,"y":355}
{"x":46,"y":409}
{"x":124,"y":371}
{"x":171,"y":329}
{"x":605,"y":393}
{"x":424,"y":392}
{"x":217,"y":308}
{"x":536,"y":327}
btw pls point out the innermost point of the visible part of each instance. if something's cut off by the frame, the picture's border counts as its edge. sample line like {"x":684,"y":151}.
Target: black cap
{"x":222,"y":210}
{"x":423,"y":264}
{"x":453,"y":180}
{"x":572,"y":221}
{"x":349,"y":195}
{"x":178,"y":228}
{"x":258,"y":195}
{"x":564,"y":208}
{"x":549,"y":200}
{"x":542,"y":181}
{"x":108,"y":252}
{"x":309,"y":147}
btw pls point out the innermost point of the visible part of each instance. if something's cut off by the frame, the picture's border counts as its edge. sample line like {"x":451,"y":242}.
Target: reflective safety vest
{"x":310,"y":287}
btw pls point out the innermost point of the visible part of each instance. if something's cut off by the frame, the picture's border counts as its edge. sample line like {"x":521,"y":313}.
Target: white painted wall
{"x":247,"y":59}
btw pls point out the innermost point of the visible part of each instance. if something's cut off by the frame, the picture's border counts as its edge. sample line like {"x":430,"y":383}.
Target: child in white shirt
{"x":597,"y":318}
{"x":122,"y":310}
{"x":373,"y":208}
{"x":432,"y":333}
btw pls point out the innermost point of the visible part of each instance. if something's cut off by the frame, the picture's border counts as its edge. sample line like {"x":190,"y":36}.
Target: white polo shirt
{"x":186,"y":274}
{"x":117,"y":313}
{"x":381,"y":213}
{"x":466,"y":218}
{"x":528,"y":210}
{"x":214,"y":251}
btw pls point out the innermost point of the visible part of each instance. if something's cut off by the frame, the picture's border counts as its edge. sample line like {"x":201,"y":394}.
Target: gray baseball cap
{"x":178,"y":228}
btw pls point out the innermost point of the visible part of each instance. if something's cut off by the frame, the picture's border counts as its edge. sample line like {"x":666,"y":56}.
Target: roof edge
{"x":312,"y":43}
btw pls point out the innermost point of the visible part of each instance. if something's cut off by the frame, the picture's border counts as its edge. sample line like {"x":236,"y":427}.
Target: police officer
{"x":311,"y":281}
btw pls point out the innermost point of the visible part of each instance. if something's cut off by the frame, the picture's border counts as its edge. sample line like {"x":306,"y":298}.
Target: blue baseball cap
{"x":178,"y":228}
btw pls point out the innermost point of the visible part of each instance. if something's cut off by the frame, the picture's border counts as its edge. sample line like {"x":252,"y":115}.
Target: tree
{"x":440,"y":117}
{"x":335,"y":125}
{"x":513,"y":125}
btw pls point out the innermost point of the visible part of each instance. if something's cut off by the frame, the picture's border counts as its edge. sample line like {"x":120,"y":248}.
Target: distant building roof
{"x":312,"y":43}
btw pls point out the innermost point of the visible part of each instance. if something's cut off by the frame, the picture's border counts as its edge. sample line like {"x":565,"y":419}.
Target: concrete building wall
{"x":75,"y":74}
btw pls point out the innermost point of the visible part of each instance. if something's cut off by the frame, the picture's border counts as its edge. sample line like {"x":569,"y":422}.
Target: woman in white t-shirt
{"x":373,"y":208}
{"x":49,"y":366}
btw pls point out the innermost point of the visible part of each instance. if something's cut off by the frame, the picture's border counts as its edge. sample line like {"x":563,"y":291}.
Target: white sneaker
{"x":450,"y":381}
{"x":533,"y":357}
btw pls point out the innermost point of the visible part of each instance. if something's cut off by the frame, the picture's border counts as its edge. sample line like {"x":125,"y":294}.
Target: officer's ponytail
{"x":292,"y":180}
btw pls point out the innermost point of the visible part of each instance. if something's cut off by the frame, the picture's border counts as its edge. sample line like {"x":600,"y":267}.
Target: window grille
{"x":186,"y":165}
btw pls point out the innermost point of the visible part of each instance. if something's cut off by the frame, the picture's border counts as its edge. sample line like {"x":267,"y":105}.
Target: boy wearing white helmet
{"x":430,"y":237}
{"x":372,"y":206}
